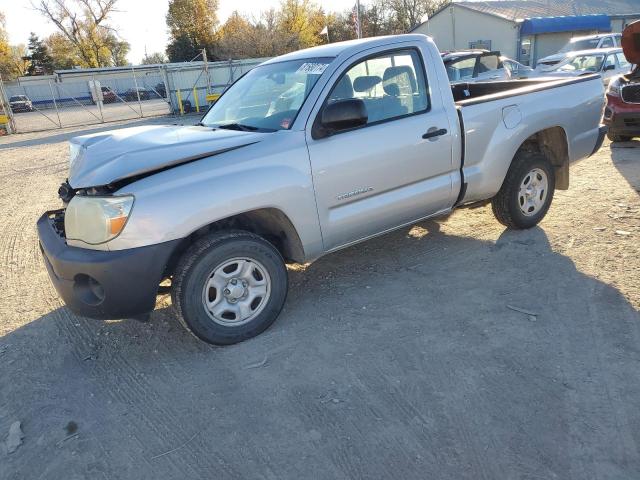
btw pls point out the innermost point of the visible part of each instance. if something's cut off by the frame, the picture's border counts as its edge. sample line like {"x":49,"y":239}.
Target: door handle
{"x":433,"y":132}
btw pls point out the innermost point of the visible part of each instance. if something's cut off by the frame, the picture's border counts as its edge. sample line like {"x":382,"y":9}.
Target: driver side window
{"x":391,"y":85}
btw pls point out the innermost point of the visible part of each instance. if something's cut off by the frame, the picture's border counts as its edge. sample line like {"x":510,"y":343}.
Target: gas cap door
{"x":511,"y":116}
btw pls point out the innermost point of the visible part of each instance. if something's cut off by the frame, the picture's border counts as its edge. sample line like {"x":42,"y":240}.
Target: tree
{"x":40,"y":62}
{"x":409,"y":13}
{"x":157,"y":57}
{"x":300,"y":22}
{"x":192,"y":27}
{"x":86,"y":27}
{"x":64,"y":55}
{"x":12,"y":64}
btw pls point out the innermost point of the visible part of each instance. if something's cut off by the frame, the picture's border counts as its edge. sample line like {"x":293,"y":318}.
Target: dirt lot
{"x":398,"y":358}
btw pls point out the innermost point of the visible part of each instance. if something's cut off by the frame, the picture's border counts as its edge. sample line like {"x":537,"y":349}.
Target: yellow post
{"x":179,"y":95}
{"x":195,"y":98}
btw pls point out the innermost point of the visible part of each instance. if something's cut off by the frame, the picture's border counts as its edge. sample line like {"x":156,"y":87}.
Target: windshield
{"x":584,"y":44}
{"x":462,"y":69}
{"x":17,"y":98}
{"x":267,"y":98}
{"x":588,"y":63}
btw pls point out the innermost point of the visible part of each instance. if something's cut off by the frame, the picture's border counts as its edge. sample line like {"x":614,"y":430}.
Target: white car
{"x":590,"y":42}
{"x":608,"y":63}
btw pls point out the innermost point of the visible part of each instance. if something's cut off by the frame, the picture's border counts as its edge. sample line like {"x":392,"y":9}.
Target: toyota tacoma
{"x":306,"y":154}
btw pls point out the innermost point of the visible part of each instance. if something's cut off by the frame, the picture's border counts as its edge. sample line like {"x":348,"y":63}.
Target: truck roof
{"x":348,"y":47}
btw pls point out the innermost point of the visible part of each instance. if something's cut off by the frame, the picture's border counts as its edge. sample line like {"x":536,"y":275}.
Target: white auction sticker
{"x":312,"y":68}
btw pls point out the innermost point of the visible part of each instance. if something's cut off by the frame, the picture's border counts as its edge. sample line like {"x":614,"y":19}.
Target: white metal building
{"x":525,"y":30}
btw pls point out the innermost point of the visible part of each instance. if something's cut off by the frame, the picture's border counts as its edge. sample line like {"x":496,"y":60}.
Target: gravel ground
{"x":398,"y":358}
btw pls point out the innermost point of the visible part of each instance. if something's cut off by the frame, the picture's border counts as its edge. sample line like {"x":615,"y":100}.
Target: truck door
{"x":394,"y":169}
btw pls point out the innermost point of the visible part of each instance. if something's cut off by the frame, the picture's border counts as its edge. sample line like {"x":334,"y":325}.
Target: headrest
{"x":366,"y":83}
{"x":402,"y":74}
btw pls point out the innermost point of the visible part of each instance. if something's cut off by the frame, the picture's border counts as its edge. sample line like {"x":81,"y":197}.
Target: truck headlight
{"x":95,"y":220}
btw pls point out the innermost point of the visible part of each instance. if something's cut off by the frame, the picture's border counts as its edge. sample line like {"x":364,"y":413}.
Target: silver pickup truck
{"x":306,"y":154}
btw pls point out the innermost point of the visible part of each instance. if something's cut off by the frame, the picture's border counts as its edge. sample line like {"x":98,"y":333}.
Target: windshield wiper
{"x":238,"y":126}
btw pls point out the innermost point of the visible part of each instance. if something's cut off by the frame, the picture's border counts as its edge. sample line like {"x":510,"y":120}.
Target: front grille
{"x":632,"y":122}
{"x":631,"y":93}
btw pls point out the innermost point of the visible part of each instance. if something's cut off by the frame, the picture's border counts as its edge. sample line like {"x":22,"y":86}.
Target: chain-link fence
{"x":83,"y":97}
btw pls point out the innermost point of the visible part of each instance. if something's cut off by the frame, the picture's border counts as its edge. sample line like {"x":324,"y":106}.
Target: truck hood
{"x":109,"y":157}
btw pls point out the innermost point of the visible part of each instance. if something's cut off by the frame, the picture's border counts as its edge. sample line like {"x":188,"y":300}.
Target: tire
{"x":200,"y":299}
{"x":510,"y":206}
{"x":614,"y":137}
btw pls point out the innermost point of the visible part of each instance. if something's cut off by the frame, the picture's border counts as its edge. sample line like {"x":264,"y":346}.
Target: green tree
{"x":154,"y":58}
{"x":40,"y":61}
{"x":192,"y":27}
{"x":63,"y":53}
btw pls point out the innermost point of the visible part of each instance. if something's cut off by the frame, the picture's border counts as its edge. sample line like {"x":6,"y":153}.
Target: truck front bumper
{"x":103,"y":284}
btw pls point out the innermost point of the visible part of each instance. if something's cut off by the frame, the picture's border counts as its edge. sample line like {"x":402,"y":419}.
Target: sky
{"x":140,"y":22}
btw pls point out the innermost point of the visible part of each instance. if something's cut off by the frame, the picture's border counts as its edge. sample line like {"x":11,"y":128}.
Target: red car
{"x":107,"y":95}
{"x":622,"y":114}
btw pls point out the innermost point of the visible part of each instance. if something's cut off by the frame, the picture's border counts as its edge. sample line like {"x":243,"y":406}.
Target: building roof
{"x":521,"y":9}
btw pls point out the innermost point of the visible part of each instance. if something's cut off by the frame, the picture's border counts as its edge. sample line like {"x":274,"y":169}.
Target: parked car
{"x":20,"y":103}
{"x":608,"y":63}
{"x":108,"y":95}
{"x":474,"y":66}
{"x":265,"y":179}
{"x":161,"y":90}
{"x":589,"y":42}
{"x":622,"y":114}
{"x":132,"y":96}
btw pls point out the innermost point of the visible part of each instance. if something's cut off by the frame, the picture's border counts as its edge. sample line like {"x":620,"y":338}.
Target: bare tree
{"x":85,"y":26}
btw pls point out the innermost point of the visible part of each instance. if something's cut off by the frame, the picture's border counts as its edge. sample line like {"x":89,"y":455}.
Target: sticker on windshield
{"x":312,"y":68}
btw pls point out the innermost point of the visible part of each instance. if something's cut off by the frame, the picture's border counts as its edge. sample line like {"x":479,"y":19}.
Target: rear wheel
{"x":229,"y":286}
{"x":614,"y":137}
{"x":527,"y":191}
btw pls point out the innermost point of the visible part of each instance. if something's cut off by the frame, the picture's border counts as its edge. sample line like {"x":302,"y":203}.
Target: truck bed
{"x":471,"y":93}
{"x":496,"y":118}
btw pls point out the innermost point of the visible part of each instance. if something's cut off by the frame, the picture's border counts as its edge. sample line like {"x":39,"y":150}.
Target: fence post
{"x":195,"y":99}
{"x":165,"y":80}
{"x":4,"y":103}
{"x":179,"y":95}
{"x":55,"y":104}
{"x":135,"y":82}
{"x":98,"y":96}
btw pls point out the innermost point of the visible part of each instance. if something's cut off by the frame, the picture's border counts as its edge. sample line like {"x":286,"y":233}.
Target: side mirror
{"x":609,"y":67}
{"x":341,"y":115}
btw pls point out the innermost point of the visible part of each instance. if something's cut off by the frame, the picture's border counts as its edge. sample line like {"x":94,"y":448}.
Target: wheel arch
{"x":270,"y":223}
{"x":552,"y":143}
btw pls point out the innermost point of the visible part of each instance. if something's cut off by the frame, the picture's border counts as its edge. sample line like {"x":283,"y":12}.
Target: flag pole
{"x":358,"y":18}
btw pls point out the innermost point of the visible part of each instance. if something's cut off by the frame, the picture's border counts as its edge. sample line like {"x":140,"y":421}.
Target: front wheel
{"x":229,"y":286}
{"x":527,"y":191}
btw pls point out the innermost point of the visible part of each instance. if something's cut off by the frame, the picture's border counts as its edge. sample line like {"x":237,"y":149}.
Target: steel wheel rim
{"x":236,"y":291}
{"x":533,"y":192}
